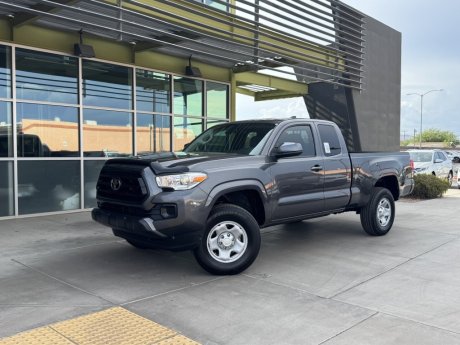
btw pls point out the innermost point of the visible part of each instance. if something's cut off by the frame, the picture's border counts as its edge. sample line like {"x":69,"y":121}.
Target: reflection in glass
{"x":153,"y":91}
{"x":188,"y":96}
{"x":107,"y":133}
{"x":185,"y":130}
{"x":6,"y":189}
{"x":212,"y":123}
{"x":46,"y":77}
{"x":217,"y":100}
{"x":217,"y":5}
{"x":153,"y":133}
{"x":6,"y":134}
{"x":47,"y":130}
{"x":48,"y":186}
{"x":92,"y":170}
{"x":5,"y":72}
{"x":107,"y":85}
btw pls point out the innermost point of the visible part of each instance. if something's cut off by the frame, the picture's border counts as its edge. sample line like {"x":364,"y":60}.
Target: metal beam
{"x":24,"y":18}
{"x":292,"y":86}
{"x":245,"y":92}
{"x":274,"y":94}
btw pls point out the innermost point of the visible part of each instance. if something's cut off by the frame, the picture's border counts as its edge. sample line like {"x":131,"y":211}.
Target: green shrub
{"x":429,"y":187}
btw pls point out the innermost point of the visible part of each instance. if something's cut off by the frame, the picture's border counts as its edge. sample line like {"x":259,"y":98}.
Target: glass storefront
{"x":153,"y":91}
{"x":5,"y":72}
{"x":106,"y":85}
{"x":217,"y":100}
{"x":67,"y":128}
{"x":91,"y":172}
{"x":6,"y":133}
{"x":188,"y":96}
{"x":153,"y":133}
{"x":107,"y":133}
{"x":6,"y":192}
{"x":46,"y":77}
{"x":46,"y":130}
{"x":48,"y":186}
{"x":185,"y":130}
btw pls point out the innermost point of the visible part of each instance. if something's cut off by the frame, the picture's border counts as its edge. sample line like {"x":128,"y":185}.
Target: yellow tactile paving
{"x":177,"y":340}
{"x":39,"y":336}
{"x":114,"y":326}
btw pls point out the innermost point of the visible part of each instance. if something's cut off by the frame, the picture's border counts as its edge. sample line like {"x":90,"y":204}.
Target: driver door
{"x":298,"y":180}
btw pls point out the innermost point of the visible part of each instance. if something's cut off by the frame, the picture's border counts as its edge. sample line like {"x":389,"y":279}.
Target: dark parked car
{"x":238,"y":177}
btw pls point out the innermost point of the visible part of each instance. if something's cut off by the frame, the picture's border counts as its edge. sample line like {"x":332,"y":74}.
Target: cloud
{"x":247,"y":108}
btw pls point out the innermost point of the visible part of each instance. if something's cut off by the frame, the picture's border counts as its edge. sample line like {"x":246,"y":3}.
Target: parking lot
{"x":322,"y":281}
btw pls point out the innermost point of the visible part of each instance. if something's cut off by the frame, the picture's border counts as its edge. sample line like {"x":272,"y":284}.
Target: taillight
{"x":412,"y":164}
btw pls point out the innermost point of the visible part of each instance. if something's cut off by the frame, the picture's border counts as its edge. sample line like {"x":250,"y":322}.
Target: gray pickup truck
{"x":238,"y":177}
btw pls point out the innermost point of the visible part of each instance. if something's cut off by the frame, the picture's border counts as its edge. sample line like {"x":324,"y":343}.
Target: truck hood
{"x":194,"y":160}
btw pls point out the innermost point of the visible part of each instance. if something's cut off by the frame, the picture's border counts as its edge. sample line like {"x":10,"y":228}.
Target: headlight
{"x":181,"y":181}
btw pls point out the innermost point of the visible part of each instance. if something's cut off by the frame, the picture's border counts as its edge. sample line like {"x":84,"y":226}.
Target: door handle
{"x":316,"y":168}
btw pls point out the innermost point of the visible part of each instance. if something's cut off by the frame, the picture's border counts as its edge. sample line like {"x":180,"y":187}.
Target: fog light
{"x":168,"y":212}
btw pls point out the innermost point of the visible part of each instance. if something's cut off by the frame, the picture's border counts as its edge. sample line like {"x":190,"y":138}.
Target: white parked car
{"x":433,"y":162}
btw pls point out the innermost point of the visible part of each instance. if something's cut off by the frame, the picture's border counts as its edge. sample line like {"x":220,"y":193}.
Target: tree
{"x":433,"y":135}
{"x":436,"y":135}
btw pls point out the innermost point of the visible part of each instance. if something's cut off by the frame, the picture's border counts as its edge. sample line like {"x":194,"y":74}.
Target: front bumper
{"x":183,"y":231}
{"x":143,"y":229}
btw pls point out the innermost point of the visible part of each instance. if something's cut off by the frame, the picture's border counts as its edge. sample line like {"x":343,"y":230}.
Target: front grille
{"x":128,"y":210}
{"x":154,"y":213}
{"x":122,"y":183}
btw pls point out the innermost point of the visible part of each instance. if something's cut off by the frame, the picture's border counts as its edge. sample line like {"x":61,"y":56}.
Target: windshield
{"x":419,"y":157}
{"x":237,"y":138}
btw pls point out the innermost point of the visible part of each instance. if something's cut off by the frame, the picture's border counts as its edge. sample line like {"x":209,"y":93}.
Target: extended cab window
{"x":329,"y":140}
{"x":299,"y":134}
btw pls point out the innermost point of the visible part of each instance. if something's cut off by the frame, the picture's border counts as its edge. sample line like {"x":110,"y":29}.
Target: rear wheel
{"x":231,"y":241}
{"x":378,"y":215}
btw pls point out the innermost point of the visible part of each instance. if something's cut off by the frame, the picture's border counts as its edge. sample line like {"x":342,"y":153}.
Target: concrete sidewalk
{"x":322,"y":281}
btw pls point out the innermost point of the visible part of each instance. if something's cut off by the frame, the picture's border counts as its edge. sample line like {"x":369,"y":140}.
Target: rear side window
{"x":329,"y":140}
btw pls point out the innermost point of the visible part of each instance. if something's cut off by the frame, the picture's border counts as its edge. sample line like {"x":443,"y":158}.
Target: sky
{"x":430,"y":60}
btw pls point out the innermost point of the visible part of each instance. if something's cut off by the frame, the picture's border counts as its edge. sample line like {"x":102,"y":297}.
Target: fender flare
{"x":235,"y":186}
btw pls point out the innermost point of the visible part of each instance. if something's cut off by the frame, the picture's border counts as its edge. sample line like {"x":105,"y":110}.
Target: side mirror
{"x":288,"y":150}
{"x":186,"y":145}
{"x":437,"y":160}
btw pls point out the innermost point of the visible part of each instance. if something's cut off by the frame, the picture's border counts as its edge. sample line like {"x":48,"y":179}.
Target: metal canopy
{"x":313,"y":40}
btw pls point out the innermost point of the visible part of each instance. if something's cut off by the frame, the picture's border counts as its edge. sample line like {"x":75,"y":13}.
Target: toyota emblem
{"x":115,"y":183}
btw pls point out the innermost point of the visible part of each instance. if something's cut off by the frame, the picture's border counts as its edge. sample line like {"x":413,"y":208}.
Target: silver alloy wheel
{"x":384,"y":212}
{"x":227,"y":242}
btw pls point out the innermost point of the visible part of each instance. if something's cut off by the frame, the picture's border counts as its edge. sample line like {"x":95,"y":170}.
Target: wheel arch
{"x":248,"y":194}
{"x":391,"y":183}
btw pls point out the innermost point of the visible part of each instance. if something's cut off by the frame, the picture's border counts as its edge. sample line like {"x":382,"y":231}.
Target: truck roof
{"x":278,"y":121}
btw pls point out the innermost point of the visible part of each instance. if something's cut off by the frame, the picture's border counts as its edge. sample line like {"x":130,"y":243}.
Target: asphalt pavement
{"x":321,"y":281}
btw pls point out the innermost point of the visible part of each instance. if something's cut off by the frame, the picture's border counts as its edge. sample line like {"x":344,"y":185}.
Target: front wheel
{"x":378,"y":215}
{"x":231,"y":241}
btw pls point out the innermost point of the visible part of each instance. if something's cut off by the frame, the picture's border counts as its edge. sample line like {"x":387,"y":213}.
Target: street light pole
{"x":421,"y":95}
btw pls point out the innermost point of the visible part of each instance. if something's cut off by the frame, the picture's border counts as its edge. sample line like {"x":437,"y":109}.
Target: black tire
{"x":138,"y":245}
{"x":231,"y":241}
{"x":378,"y":215}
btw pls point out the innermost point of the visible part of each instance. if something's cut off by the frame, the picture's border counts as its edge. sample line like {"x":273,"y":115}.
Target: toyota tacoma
{"x":238,"y":177}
